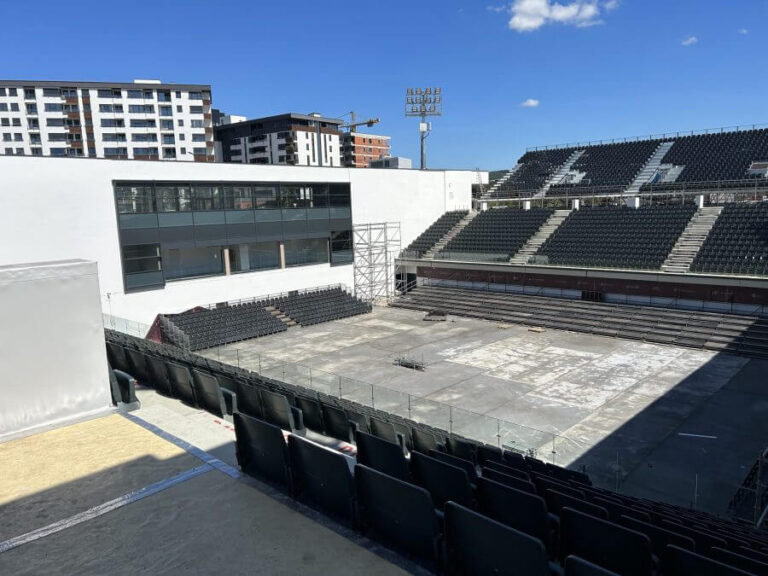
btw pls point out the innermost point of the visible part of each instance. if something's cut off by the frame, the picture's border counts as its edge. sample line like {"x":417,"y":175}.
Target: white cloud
{"x":529,"y":103}
{"x":743,"y":31}
{"x":530,"y":15}
{"x":501,"y":8}
{"x":690,"y":41}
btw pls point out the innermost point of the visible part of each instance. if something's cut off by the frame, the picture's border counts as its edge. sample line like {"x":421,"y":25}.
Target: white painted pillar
{"x":633,"y":202}
{"x":227,"y":267}
{"x":483,"y":206}
{"x":282,"y":255}
{"x":526,"y":204}
{"x":699,"y":201}
{"x":575,"y":204}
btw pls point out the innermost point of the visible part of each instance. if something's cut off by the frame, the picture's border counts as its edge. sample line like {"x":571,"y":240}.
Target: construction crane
{"x":352,"y":124}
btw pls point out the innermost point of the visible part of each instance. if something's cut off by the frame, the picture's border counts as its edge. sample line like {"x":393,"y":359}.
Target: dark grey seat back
{"x":468,"y":466}
{"x":181,"y":383}
{"x":208,"y":393}
{"x":476,"y":544}
{"x":158,"y":376}
{"x":681,"y":562}
{"x":739,"y":561}
{"x":277,"y":410}
{"x":514,"y":508}
{"x":461,"y":448}
{"x":511,"y":481}
{"x":322,"y":477}
{"x":508,"y":470}
{"x":556,"y":501}
{"x":381,"y":455}
{"x":249,"y":399}
{"x":443,"y":481}
{"x":261,"y":450}
{"x":336,"y":423}
{"x":398,"y":513}
{"x":575,"y":566}
{"x":660,"y":537}
{"x":423,"y":441}
{"x":312,"y":412}
{"x":604,"y":543}
{"x":382,"y":429}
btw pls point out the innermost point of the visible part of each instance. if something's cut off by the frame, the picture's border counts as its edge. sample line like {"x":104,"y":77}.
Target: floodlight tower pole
{"x":423,"y":133}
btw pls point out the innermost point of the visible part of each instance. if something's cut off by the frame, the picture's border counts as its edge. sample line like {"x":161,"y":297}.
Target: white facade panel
{"x":54,"y":364}
{"x":54,"y":209}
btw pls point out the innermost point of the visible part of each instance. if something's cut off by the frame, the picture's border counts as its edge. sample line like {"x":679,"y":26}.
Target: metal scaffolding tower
{"x":376,"y":246}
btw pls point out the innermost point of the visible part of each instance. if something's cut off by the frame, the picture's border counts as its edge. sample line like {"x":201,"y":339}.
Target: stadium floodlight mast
{"x":423,"y":102}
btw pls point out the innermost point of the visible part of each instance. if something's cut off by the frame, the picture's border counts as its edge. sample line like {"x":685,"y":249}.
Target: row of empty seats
{"x":434,"y":233}
{"x":316,"y":306}
{"x":202,"y":328}
{"x":496,"y":234}
{"x":714,"y":157}
{"x":720,"y":160}
{"x":744,"y":335}
{"x":737,"y":243}
{"x":617,"y":237}
{"x":206,"y":328}
{"x":445,"y":502}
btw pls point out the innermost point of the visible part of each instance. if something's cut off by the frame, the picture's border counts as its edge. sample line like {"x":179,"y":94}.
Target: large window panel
{"x":255,"y":256}
{"x":338,"y":195}
{"x":341,"y":247}
{"x":142,"y":266}
{"x":306,"y":252}
{"x":173,"y":198}
{"x":134,"y":199}
{"x":192,"y":262}
{"x":237,"y":198}
{"x":265,"y":197}
{"x":206,"y":198}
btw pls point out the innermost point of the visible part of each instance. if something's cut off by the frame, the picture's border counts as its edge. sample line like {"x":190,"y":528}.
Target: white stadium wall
{"x":53,"y":364}
{"x":63,"y":208}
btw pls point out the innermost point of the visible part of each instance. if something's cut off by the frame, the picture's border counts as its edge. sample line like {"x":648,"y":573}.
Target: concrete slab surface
{"x":593,"y":398}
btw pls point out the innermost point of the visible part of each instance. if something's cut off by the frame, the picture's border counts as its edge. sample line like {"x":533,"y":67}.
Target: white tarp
{"x":53,"y":364}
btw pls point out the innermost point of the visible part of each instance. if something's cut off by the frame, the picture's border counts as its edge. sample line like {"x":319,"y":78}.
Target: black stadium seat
{"x":460,"y":448}
{"x":681,"y":562}
{"x":520,"y":510}
{"x":381,"y":455}
{"x":278,"y":411}
{"x":181,"y":383}
{"x":660,"y":538}
{"x":336,"y":423}
{"x":249,"y":400}
{"x":399,"y":513}
{"x":517,"y":472}
{"x":575,"y":566}
{"x":443,"y":481}
{"x":556,"y":501}
{"x":468,"y":466}
{"x":382,"y":429}
{"x":312,"y":413}
{"x":261,"y":450}
{"x":739,"y":561}
{"x":322,"y":477}
{"x":478,"y":546}
{"x":423,"y":441}
{"x":604,"y":543}
{"x":158,"y":375}
{"x":511,"y":481}
{"x":210,"y":396}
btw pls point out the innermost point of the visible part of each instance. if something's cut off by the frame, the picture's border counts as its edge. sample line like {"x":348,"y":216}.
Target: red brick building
{"x":359,"y":149}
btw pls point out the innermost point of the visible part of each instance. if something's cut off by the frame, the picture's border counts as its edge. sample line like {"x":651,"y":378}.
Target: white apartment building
{"x":144,"y":120}
{"x":292,"y":139}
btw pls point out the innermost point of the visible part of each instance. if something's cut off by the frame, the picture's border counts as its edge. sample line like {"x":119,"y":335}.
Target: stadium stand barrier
{"x":555,"y":448}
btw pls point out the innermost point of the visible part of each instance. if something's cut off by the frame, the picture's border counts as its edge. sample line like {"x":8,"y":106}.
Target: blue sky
{"x":597,"y":68}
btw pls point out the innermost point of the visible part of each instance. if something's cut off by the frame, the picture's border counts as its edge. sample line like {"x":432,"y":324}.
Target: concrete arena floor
{"x":618,"y":406}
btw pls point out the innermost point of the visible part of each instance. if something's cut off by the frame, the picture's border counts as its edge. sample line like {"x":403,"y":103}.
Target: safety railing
{"x":747,"y":189}
{"x":661,"y":136}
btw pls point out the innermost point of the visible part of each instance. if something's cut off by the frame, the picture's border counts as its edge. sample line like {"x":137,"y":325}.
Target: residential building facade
{"x":291,"y":139}
{"x":142,"y":120}
{"x":359,"y":149}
